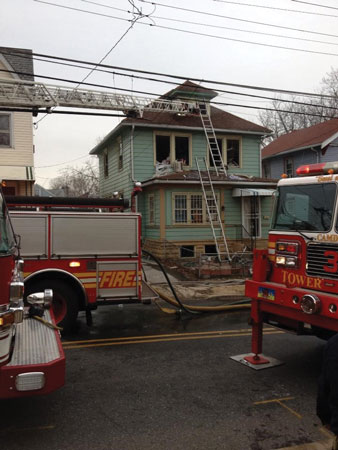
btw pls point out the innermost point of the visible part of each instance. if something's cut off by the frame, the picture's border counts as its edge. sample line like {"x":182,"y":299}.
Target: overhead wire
{"x":315,"y":4}
{"x":235,"y":18}
{"x":221,"y":26}
{"x":159,"y":95}
{"x":135,"y":19}
{"x":276,"y":8}
{"x":243,"y":41}
{"x":177,"y":77}
{"x":213,"y":103}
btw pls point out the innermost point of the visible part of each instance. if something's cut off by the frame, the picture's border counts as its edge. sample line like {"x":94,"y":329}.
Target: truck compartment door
{"x":118,"y":279}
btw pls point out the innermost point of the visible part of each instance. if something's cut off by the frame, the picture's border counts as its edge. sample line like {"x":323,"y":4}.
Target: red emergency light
{"x":318,"y":169}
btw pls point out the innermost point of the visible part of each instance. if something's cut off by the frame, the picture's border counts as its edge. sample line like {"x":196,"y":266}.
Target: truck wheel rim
{"x":59,"y":308}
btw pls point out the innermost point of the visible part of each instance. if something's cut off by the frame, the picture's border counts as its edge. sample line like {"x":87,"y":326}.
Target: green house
{"x":160,"y":149}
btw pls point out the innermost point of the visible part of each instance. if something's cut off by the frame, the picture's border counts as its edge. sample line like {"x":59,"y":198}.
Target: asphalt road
{"x":139,"y":379}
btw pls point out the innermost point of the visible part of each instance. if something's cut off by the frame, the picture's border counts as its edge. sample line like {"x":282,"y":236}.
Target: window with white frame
{"x":288,"y":167}
{"x":191,"y":208}
{"x":170,"y":147}
{"x":151,"y":204}
{"x":5,"y":130}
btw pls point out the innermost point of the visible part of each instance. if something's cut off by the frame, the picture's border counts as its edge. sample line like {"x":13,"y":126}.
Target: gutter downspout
{"x":317,"y":154}
{"x":132,"y":164}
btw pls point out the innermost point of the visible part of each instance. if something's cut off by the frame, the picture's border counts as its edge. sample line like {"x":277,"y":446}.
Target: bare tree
{"x":81,"y":182}
{"x":303,"y":111}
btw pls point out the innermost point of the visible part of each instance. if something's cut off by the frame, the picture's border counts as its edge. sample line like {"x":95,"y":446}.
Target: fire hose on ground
{"x":176,"y":301}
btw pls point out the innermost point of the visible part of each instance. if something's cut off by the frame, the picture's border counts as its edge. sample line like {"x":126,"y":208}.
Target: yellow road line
{"x":151,"y":336}
{"x":263,"y":402}
{"x":292,"y":411}
{"x":149,"y":341}
{"x":280,"y":402}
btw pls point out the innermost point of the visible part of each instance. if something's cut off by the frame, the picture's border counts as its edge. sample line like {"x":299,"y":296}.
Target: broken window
{"x":162,"y":148}
{"x":233,"y":152}
{"x":214,"y":152}
{"x":182,"y":149}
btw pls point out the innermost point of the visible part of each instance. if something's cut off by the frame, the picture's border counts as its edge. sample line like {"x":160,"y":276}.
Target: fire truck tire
{"x":65,"y":304}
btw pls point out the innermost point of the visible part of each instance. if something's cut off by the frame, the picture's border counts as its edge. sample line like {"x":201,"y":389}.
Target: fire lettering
{"x":294,"y":279}
{"x":118,"y":279}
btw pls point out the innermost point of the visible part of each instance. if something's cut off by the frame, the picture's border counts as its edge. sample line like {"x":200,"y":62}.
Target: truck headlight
{"x":287,"y":261}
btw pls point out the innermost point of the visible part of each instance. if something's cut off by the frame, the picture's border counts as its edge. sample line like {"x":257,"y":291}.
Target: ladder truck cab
{"x":295,"y":280}
{"x":87,"y":250}
{"x":31,"y":356}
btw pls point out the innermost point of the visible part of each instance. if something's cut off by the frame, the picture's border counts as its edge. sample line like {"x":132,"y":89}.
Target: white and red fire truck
{"x":295,"y":281}
{"x":31,"y":356}
{"x":83,"y":250}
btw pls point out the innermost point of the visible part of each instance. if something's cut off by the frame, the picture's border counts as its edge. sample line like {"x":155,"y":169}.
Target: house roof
{"x":190,"y":90}
{"x":304,"y":138}
{"x":19,"y":63}
{"x":192,"y":176}
{"x":222,"y":121}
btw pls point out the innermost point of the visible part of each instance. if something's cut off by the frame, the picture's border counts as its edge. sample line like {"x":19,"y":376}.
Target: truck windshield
{"x":7,"y":239}
{"x":308,"y":207}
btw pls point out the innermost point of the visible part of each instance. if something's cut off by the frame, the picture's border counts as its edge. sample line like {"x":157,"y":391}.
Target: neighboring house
{"x":315,"y":144}
{"x":16,"y":129}
{"x":40,"y":191}
{"x":159,"y":150}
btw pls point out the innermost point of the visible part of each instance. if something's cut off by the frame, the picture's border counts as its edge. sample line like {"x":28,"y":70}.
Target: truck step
{"x":35,"y":343}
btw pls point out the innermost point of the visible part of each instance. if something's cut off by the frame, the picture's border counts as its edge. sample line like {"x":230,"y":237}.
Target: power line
{"x":177,"y":77}
{"x":62,"y":164}
{"x":223,"y":27}
{"x":235,"y":18}
{"x":313,"y":4}
{"x":105,"y":56}
{"x":242,"y":41}
{"x":159,"y":95}
{"x":278,"y":9}
{"x":35,"y":111}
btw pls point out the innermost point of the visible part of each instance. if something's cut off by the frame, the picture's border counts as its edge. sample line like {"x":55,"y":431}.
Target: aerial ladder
{"x":30,"y":94}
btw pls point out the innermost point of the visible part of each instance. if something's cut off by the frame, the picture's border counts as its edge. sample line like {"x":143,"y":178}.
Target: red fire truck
{"x":295,"y":281}
{"x":83,"y":250}
{"x":31,"y":356}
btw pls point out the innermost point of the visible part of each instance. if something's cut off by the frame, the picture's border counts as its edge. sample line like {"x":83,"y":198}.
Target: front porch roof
{"x":191,"y":177}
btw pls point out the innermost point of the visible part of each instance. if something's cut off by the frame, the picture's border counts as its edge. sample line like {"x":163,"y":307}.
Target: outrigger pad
{"x":264,"y":362}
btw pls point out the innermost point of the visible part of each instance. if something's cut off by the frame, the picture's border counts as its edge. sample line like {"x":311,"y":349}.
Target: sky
{"x":162,"y":41}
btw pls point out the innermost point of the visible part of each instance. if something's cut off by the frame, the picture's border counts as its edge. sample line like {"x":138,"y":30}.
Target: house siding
{"x":20,"y":153}
{"x":144,"y":152}
{"x":118,"y":179}
{"x":331,"y":153}
{"x":299,"y":158}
